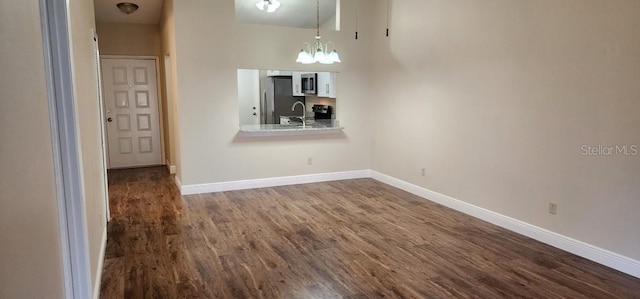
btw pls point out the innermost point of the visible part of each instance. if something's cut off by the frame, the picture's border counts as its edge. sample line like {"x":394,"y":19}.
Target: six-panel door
{"x":131,"y":109}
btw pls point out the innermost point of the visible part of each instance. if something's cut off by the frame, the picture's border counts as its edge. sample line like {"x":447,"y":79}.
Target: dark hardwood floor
{"x":345,"y":239}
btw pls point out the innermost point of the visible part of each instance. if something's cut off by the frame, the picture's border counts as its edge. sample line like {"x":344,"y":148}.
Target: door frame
{"x":160,"y":103}
{"x":103,"y":129}
{"x":72,"y":224}
{"x":167,"y":71}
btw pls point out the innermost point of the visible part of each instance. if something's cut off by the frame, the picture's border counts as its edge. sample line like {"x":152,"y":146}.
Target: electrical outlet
{"x":553,"y":208}
{"x":309,"y":161}
{"x":424,"y":171}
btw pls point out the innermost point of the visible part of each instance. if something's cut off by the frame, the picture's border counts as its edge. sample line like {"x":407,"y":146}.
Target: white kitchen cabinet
{"x":296,"y":83}
{"x":272,"y":73}
{"x":327,"y":84}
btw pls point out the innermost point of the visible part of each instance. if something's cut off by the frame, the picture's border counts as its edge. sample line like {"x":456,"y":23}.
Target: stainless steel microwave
{"x":309,"y":83}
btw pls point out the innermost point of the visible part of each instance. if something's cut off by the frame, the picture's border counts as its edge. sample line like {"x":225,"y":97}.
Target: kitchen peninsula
{"x":310,"y":127}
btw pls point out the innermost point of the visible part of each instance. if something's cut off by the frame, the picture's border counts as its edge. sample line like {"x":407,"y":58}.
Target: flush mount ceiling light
{"x":270,"y":5}
{"x":127,"y":8}
{"x":320,"y":52}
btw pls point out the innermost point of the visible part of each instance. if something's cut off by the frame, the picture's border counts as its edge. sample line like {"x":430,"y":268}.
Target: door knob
{"x":109,"y":119}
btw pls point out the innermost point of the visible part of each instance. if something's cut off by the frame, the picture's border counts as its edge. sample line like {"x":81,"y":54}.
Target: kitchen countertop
{"x":311,"y":127}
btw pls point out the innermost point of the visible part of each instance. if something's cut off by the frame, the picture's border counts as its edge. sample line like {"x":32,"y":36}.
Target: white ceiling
{"x":147,"y":13}
{"x":292,"y":13}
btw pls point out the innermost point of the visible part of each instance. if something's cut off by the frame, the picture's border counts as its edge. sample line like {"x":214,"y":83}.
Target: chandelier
{"x":317,"y":52}
{"x":270,"y":5}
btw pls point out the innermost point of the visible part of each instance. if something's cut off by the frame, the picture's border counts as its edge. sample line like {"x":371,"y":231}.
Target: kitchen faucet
{"x":304,"y":111}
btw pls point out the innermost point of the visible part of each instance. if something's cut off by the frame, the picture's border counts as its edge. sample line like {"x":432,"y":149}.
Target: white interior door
{"x":131,"y":111}
{"x":249,"y":96}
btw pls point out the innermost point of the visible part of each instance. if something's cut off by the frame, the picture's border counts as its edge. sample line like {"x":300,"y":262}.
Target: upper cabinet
{"x":273,"y":73}
{"x":327,"y":84}
{"x":296,"y":83}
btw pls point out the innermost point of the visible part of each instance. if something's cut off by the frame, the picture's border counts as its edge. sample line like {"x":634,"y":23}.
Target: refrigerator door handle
{"x":263,"y":113}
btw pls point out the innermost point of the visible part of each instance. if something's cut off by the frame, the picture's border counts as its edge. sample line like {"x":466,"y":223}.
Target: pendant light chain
{"x":357,"y":7}
{"x":388,"y":1}
{"x":318,"y":18}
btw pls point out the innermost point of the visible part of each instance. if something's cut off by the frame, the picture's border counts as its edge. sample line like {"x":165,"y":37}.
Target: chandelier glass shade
{"x":268,"y":5}
{"x":318,"y":52}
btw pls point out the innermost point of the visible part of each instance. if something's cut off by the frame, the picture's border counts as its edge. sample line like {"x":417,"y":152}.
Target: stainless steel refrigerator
{"x":277,"y":99}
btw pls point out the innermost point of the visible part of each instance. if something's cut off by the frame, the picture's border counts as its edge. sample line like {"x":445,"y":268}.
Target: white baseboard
{"x":585,"y":250}
{"x":171,"y":168}
{"x":272,"y":182}
{"x":103,"y":248}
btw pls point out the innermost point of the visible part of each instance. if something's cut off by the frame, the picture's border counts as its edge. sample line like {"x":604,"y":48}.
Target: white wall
{"x":495,"y":99}
{"x":129,"y":39}
{"x":30,"y":252}
{"x":82,"y":24}
{"x":211,"y":46}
